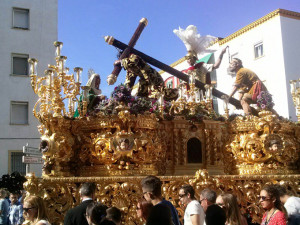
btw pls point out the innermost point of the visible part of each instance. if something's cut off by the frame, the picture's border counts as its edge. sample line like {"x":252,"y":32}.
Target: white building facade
{"x":269,"y":47}
{"x":28,"y":29}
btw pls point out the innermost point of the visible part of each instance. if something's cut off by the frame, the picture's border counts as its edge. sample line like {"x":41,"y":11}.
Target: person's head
{"x":274,"y":145}
{"x":283,"y":193}
{"x":160,"y":214}
{"x":87,"y":190}
{"x":124,"y":144}
{"x":207,"y":198}
{"x":235,"y":65}
{"x":34,"y":209}
{"x":114,"y":214}
{"x":96,"y":214}
{"x":143,"y":208}
{"x":94,"y":81}
{"x":186,"y":194}
{"x":151,"y":187}
{"x":191,"y":58}
{"x":269,"y":197}
{"x":215,"y":215}
{"x":2,"y":193}
{"x":229,"y":203}
{"x":13,"y":197}
{"x":220,"y":201}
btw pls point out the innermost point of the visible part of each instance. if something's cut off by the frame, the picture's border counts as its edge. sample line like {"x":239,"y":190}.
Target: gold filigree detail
{"x":61,"y":194}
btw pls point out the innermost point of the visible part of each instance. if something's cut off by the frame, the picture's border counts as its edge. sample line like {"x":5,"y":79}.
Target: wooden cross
{"x":110,"y":40}
{"x":111,"y":79}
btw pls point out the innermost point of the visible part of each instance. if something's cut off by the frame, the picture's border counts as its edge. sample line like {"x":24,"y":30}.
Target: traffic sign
{"x":32,"y":159}
{"x":31,"y":150}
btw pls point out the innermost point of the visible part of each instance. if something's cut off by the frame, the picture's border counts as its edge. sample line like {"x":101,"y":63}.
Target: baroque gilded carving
{"x":116,"y":150}
{"x":60,"y":194}
{"x":263,"y":145}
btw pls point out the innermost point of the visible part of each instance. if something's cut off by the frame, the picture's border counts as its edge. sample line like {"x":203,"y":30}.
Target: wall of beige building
{"x":35,"y":41}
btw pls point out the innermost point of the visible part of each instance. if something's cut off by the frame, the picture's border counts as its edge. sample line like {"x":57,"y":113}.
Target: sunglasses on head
{"x":27,"y":209}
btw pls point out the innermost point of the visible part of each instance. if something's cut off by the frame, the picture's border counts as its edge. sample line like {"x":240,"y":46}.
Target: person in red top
{"x":270,"y":201}
{"x":248,"y":84}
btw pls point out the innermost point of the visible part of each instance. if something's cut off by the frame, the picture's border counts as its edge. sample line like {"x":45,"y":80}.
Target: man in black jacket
{"x":76,"y":216}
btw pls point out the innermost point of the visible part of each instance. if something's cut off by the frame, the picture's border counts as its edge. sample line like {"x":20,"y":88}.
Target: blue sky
{"x":83,"y":24}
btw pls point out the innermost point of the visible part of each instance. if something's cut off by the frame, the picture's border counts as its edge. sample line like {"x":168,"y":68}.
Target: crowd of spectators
{"x":281,"y":208}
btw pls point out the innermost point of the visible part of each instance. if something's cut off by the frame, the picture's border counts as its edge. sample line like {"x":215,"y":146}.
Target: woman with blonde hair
{"x":229,"y":203}
{"x":34,"y":211}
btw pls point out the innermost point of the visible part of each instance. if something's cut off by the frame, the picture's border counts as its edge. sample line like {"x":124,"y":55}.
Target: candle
{"x":78,"y":71}
{"x":31,"y":68}
{"x":161,"y":100}
{"x":225,"y":104}
{"x":58,"y":46}
{"x":62,"y":61}
{"x":191,"y":78}
{"x":35,"y":66}
{"x":180,"y":91}
{"x":75,"y":105}
{"x":293,"y":86}
{"x":77,"y":76}
{"x":209,"y":92}
{"x":32,"y":65}
{"x":52,"y":75}
{"x":49,"y":74}
{"x":86,"y":90}
{"x":298,"y":101}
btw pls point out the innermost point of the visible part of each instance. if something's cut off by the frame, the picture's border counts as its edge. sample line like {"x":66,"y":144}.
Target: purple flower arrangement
{"x":122,"y":94}
{"x":140,"y":105}
{"x":265,"y":101}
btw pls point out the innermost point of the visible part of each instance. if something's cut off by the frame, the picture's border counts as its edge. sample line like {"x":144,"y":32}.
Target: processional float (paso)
{"x":180,"y":145}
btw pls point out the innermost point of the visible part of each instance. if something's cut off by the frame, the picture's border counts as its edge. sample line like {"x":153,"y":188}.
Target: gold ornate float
{"x":116,"y":150}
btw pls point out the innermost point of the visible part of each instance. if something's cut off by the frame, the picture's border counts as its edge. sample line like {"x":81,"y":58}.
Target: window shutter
{"x":16,"y":163}
{"x":19,"y":113}
{"x":20,"y":66}
{"x":21,"y":18}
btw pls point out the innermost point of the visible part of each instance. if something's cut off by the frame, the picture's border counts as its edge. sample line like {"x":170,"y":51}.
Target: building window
{"x":19,"y":113}
{"x":20,"y":64}
{"x":194,"y":151}
{"x":16,"y":164}
{"x":258,"y":50}
{"x":21,"y":18}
